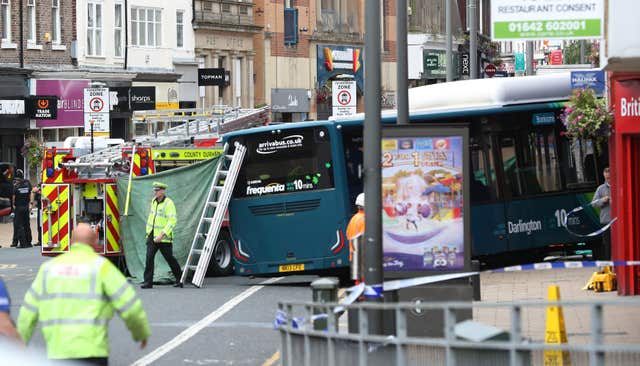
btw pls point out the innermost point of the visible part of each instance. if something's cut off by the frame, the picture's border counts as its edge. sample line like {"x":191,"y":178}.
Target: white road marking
{"x":194,"y":329}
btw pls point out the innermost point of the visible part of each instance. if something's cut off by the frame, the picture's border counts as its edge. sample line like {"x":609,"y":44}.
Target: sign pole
{"x":372,"y":154}
{"x":402,"y":67}
{"x":91,"y":124}
{"x":473,"y":40}
{"x":449,"y":45}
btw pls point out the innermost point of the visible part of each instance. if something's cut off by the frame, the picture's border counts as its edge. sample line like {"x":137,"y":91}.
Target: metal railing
{"x":524,"y":344}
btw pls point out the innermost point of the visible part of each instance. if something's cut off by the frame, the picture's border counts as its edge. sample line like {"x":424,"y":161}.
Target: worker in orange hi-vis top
{"x":356,"y":225}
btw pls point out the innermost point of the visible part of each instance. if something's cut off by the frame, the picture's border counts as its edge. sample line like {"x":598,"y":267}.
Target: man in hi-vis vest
{"x":73,"y":298}
{"x":160,"y":223}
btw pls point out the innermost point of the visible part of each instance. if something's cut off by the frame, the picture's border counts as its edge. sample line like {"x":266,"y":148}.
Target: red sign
{"x":627,"y":105}
{"x":490,"y":70}
{"x":556,"y":57}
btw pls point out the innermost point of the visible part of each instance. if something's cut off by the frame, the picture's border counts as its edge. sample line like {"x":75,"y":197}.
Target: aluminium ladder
{"x":213,"y":213}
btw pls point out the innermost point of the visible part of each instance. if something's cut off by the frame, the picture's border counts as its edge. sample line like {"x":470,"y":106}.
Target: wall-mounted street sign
{"x":96,"y":111}
{"x":344,"y":98}
{"x":42,"y":107}
{"x":549,"y":19}
{"x":211,"y":76}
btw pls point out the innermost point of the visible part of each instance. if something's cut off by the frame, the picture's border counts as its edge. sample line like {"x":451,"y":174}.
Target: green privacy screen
{"x":188,"y":188}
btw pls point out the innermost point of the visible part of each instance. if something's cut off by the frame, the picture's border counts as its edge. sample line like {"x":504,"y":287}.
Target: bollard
{"x":325,"y":290}
{"x":475,"y":280}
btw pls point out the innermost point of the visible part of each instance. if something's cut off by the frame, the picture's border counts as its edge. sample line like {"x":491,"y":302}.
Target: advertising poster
{"x":422,"y":202}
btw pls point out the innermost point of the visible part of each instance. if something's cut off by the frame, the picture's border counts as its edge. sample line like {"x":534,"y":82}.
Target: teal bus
{"x":296,"y":189}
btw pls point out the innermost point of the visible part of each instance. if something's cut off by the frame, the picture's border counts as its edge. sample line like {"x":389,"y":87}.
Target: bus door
{"x":487,"y":210}
{"x":531,"y":174}
{"x":352,"y":144}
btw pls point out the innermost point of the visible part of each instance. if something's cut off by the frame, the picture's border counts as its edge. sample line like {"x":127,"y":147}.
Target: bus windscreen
{"x":292,"y":160}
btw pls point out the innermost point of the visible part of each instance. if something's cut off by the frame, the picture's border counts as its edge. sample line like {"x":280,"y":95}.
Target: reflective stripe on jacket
{"x":73,"y":298}
{"x":162,"y":219}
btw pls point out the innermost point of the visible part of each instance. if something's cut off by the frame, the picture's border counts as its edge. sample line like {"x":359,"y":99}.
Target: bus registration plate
{"x":291,"y":267}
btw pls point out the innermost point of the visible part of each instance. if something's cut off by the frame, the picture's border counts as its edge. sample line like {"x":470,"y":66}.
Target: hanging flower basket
{"x":587,"y":117}
{"x":33,"y":150}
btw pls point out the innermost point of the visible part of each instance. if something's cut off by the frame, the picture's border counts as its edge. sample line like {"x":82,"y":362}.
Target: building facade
{"x":37,"y":39}
{"x":306,"y":45}
{"x":224,"y":40}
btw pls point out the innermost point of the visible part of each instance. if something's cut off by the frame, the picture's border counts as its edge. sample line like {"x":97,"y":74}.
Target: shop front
{"x":70,"y":114}
{"x":13,"y":121}
{"x":290,"y":105}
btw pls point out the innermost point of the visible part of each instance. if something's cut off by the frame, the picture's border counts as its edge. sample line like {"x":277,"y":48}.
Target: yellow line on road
{"x":8,"y":266}
{"x":272,"y":360}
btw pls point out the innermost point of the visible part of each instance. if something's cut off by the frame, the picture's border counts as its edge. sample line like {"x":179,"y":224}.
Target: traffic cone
{"x":555,"y":331}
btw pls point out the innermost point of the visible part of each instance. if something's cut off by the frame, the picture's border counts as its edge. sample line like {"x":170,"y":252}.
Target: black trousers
{"x":22,"y":226}
{"x":602,"y":252}
{"x":167,"y":252}
{"x":92,"y":361}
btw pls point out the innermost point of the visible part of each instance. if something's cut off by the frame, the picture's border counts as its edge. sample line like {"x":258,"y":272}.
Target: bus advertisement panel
{"x":423,"y":210}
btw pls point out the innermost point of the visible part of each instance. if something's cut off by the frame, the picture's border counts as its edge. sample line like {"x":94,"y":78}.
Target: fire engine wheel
{"x":221,"y":263}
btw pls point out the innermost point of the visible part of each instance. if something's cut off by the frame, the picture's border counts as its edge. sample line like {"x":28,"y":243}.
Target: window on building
{"x":290,"y":26}
{"x":226,"y":8}
{"x":5,"y":18}
{"x":146,"y":27}
{"x":31,"y":21}
{"x":55,"y":22}
{"x":179,"y":28}
{"x":94,"y":29}
{"x":117,"y":30}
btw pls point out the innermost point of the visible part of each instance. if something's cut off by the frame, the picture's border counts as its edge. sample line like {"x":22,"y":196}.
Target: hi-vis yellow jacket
{"x":73,"y":298}
{"x":162,"y":219}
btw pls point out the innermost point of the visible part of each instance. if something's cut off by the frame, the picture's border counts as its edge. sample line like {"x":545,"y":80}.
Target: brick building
{"x":33,"y":42}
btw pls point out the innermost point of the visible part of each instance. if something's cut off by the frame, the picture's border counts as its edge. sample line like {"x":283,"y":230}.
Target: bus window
{"x":290,"y":160}
{"x":542,"y":149}
{"x":352,"y":144}
{"x":483,"y":175}
{"x":512,"y":179}
{"x":579,"y":166}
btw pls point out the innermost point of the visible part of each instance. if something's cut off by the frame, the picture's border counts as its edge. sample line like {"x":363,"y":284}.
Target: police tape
{"x":376,"y":291}
{"x":568,"y":264}
{"x":595,"y":233}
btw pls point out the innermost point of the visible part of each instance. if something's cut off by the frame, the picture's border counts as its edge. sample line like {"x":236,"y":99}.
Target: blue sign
{"x":541,"y":119}
{"x":593,"y":79}
{"x":519,"y":61}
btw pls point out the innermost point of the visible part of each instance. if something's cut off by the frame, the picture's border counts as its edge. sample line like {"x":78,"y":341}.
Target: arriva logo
{"x":269,"y":188}
{"x":524,"y":227}
{"x":288,"y":142}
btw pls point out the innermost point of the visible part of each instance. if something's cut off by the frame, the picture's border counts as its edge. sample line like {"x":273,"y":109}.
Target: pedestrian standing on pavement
{"x":37,"y":200}
{"x":160,"y":223}
{"x":7,"y":329}
{"x":73,"y":298}
{"x":22,"y":198}
{"x":602,"y":199}
{"x":6,"y":191}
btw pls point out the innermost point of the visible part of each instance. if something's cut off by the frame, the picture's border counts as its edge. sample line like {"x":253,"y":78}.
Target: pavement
{"x":620,"y":323}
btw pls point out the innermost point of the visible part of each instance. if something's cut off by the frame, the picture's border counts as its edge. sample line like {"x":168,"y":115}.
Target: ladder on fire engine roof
{"x":213,"y":213}
{"x":195,"y":123}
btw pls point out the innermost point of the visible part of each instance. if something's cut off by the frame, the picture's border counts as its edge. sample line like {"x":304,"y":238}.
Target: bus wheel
{"x":221,"y":263}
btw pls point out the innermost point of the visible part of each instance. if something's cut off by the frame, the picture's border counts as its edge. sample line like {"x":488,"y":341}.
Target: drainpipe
{"x":21,"y":34}
{"x":126,"y":33}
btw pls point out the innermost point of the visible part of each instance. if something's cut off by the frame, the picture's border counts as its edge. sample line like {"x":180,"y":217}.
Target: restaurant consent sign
{"x":550,"y":19}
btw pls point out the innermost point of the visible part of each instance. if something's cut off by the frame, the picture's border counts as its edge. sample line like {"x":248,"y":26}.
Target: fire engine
{"x":80,"y":186}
